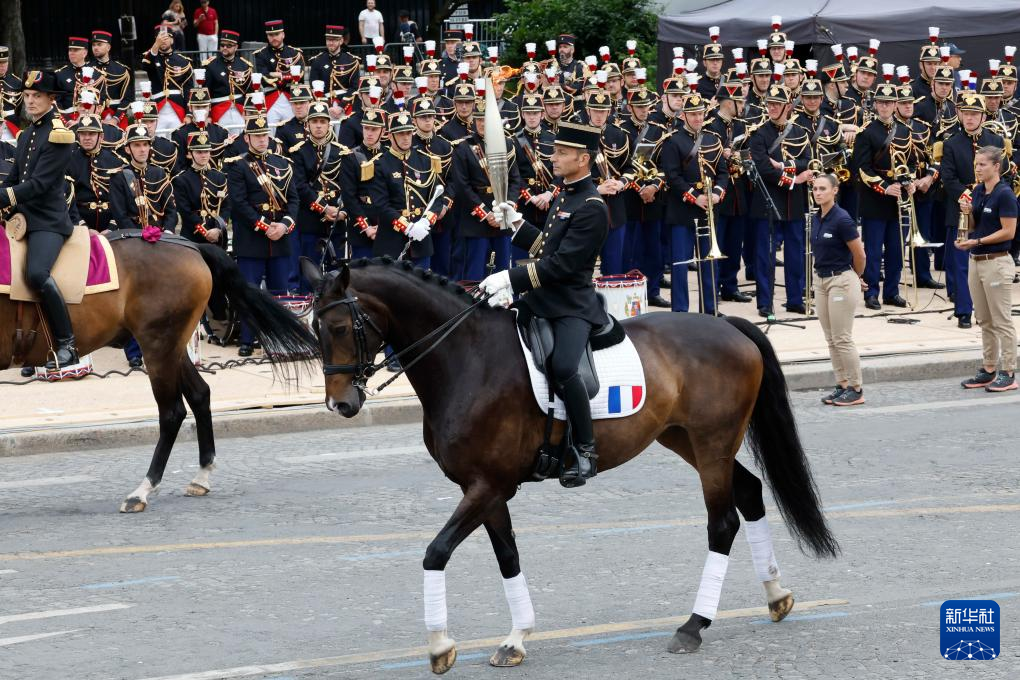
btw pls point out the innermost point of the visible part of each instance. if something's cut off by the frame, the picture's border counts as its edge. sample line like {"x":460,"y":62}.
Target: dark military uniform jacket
{"x":688,"y":160}
{"x":939,"y":115}
{"x":69,"y":81}
{"x":956,"y":156}
{"x":152,"y":185}
{"x":571,"y":74}
{"x":92,"y":173}
{"x":351,"y":133}
{"x":253,"y":204}
{"x":535,"y":167}
{"x":510,"y":112}
{"x":708,"y":87}
{"x":10,"y":94}
{"x":317,"y":179}
{"x":922,"y":163}
{"x":645,"y":144}
{"x":338,"y":71}
{"x":400,"y":189}
{"x":202,"y":202}
{"x":171,"y":75}
{"x":792,"y":148}
{"x":456,"y":129}
{"x":35,"y":186}
{"x":878,"y":149}
{"x":119,"y":83}
{"x":227,"y":81}
{"x":356,"y":170}
{"x":435,"y":145}
{"x":266,"y":60}
{"x":471,"y":187}
{"x":613,"y":162}
{"x":558,"y":282}
{"x":218,"y":136}
{"x":291,"y":133}
{"x":735,"y":201}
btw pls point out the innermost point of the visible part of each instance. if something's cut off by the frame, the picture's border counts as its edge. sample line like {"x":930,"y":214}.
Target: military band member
{"x":69,"y":76}
{"x":433,"y":75}
{"x":350,"y":129}
{"x":117,"y":79}
{"x":937,"y":107}
{"x":473,"y":58}
{"x":459,"y":126}
{"x":534,"y":165}
{"x":927,"y":63}
{"x":336,"y":67}
{"x":277,"y":62}
{"x":780,"y":151}
{"x":423,"y":115}
{"x":384,"y":73}
{"x":228,"y":79}
{"x":317,"y":161}
{"x":170,"y":74}
{"x":554,"y":103}
{"x":711,"y":77}
{"x":201,"y":193}
{"x":35,"y":187}
{"x":10,"y":93}
{"x":754,"y":104}
{"x":403,"y":180}
{"x":472,"y":195}
{"x":264,"y":206}
{"x":776,"y":43}
{"x":92,"y":168}
{"x":141,"y":194}
{"x":356,"y":170}
{"x":860,"y":90}
{"x":90,"y":103}
{"x":690,"y":158}
{"x":294,"y":131}
{"x":1008,"y":78}
{"x":557,"y":285}
{"x":218,"y":138}
{"x":614,"y":87}
{"x":572,"y":70}
{"x":611,"y":164}
{"x":956,"y":156}
{"x":509,"y":111}
{"x":163,"y":152}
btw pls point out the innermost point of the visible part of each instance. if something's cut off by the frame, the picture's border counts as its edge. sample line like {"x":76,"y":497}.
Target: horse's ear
{"x":311,"y":273}
{"x":345,"y":276}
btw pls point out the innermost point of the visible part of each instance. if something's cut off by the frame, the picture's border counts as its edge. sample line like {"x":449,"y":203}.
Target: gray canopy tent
{"x":981,"y":27}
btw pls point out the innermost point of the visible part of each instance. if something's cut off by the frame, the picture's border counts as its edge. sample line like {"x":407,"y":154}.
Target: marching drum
{"x":626,"y":294}
{"x":78,"y":370}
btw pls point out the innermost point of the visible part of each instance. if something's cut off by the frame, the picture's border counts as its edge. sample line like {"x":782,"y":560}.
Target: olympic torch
{"x":495,"y":150}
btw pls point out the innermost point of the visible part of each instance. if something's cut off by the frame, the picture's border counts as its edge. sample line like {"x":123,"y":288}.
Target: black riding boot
{"x":53,"y":306}
{"x":578,"y":408}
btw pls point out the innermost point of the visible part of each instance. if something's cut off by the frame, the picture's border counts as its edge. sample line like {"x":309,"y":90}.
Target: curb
{"x":811,"y":375}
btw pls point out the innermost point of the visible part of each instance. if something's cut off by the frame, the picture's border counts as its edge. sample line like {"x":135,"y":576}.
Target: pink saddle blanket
{"x":101,"y":275}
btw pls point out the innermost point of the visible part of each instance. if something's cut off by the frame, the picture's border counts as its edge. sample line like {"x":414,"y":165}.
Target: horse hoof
{"x":780,"y":608}
{"x":507,"y":656}
{"x":196,"y":490}
{"x":133,"y":505}
{"x":684,"y":643}
{"x":443,"y":662}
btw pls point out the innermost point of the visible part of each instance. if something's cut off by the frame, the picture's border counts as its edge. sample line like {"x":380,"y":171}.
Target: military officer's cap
{"x":930,"y":53}
{"x":793,"y":66}
{"x":199,"y":96}
{"x":578,"y":136}
{"x":463,"y":92}
{"x":367,"y":83}
{"x":777,"y":39}
{"x":812,"y":87}
{"x":761,"y":67}
{"x":429,"y":67}
{"x":199,"y":141}
{"x":76,"y":43}
{"x":591,"y":84}
{"x":886,"y":93}
{"x":5,"y":54}
{"x":778,"y":93}
{"x":400,"y":122}
{"x":274,"y":26}
{"x":102,"y":36}
{"x":631,"y":64}
{"x":88,"y":123}
{"x":599,"y":101}
{"x":257,"y":125}
{"x":1007,"y":72}
{"x":991,"y":87}
{"x":694,"y":103}
{"x":40,"y":81}
{"x":228,"y":36}
{"x":712,"y":51}
{"x":423,"y":106}
{"x":479,"y":110}
{"x":868,"y":64}
{"x":137,"y":133}
{"x":566,"y":39}
{"x":904,"y":93}
{"x":318,"y":110}
{"x":969,"y":101}
{"x":373,"y":118}
{"x":403,"y":74}
{"x":335,"y":31}
{"x":554,"y":95}
{"x":472,"y":49}
{"x":833,"y":73}
{"x":383,"y":61}
{"x":532,"y":102}
{"x":730,"y":88}
{"x":453,"y":35}
{"x":944,"y":74}
{"x":674,"y":86}
{"x":612,"y":71}
{"x":301,"y":93}
{"x":149,"y":111}
{"x":639,"y":96}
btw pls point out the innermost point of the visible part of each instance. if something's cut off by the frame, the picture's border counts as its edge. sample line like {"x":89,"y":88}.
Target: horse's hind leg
{"x":165,"y":377}
{"x":196,"y":393}
{"x":511,"y":651}
{"x":747,"y":495}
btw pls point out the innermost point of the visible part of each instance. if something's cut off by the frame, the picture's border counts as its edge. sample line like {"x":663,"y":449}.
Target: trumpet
{"x":963,"y":224}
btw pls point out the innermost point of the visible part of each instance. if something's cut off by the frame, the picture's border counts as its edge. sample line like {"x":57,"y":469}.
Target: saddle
{"x":85,"y":265}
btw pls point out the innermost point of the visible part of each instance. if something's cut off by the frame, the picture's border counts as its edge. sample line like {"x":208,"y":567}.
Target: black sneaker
{"x":982,"y":379}
{"x":850,"y":397}
{"x":1004,"y":382}
{"x":829,"y":398}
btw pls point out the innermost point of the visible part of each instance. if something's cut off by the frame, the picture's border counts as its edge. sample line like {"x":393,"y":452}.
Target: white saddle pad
{"x":621,"y":382}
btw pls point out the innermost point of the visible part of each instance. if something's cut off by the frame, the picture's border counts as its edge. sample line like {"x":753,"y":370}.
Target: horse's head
{"x":348,"y":337}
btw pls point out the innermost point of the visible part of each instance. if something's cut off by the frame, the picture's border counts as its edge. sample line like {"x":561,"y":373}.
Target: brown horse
{"x":709,"y":381}
{"x":164,"y":288}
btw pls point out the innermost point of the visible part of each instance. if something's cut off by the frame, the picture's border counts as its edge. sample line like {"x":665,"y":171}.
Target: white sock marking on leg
{"x":707,"y":602}
{"x":202,"y":478}
{"x":143,"y":491}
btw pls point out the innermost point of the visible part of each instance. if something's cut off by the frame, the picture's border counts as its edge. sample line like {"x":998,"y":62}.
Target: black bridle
{"x":364,"y":369}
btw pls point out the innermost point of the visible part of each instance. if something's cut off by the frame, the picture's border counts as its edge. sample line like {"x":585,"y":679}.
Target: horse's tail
{"x":282,"y":335}
{"x":773,"y":439}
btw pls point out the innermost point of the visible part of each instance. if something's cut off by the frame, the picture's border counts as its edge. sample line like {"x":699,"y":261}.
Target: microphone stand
{"x":773,"y":212}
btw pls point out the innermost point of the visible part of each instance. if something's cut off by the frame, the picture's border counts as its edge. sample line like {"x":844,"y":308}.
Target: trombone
{"x":714,"y":253}
{"x":910,"y":233}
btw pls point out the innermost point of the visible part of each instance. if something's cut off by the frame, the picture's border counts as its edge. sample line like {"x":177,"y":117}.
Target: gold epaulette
{"x":367,"y":170}
{"x":208,"y":61}
{"x":1008,"y":147}
{"x":295,"y":147}
{"x":60,"y":134}
{"x":232,"y":159}
{"x":936,"y":151}
{"x":437,"y":163}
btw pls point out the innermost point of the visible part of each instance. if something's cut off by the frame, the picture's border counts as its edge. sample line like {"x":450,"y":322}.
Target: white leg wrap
{"x":519,"y":599}
{"x":143,"y":491}
{"x":760,"y":539}
{"x":435,"y":600}
{"x":202,"y":478}
{"x":710,"y":590}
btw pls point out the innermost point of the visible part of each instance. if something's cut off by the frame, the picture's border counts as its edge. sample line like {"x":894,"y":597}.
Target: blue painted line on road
{"x":804,"y":617}
{"x":135,"y":582}
{"x":621,"y":638}
{"x":989,"y":596}
{"x":855,"y":506}
{"x":380,"y":555}
{"x":421,"y":662}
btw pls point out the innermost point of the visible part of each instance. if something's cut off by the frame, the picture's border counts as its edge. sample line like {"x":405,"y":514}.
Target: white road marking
{"x":358,"y":453}
{"x":4,"y":642}
{"x":8,"y":571}
{"x":53,"y":613}
{"x":45,"y":481}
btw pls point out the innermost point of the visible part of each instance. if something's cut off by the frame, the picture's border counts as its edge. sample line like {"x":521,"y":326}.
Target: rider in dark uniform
{"x":557,"y":285}
{"x":35,"y":188}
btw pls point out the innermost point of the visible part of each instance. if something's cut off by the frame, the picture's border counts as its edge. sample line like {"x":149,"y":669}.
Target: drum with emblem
{"x":626,"y":295}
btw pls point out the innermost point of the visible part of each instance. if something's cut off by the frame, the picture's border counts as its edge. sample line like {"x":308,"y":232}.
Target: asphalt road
{"x":305,"y":561}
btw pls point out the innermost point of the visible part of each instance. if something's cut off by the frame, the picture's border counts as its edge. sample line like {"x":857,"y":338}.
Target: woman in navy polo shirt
{"x":992,"y":213}
{"x":839,"y":263}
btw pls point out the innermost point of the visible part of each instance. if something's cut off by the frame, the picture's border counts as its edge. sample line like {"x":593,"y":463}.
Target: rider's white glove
{"x":419,"y":230}
{"x":494,"y":285}
{"x":504,"y":298}
{"x":506,"y":213}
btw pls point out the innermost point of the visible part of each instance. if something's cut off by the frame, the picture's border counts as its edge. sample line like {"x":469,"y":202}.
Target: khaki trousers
{"x":991,"y":287}
{"x":837,"y":298}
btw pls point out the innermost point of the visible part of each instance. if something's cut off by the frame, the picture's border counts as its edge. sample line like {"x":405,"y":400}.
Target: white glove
{"x":495,"y":283}
{"x":419,"y":230}
{"x":504,"y":298}
{"x":506,"y":213}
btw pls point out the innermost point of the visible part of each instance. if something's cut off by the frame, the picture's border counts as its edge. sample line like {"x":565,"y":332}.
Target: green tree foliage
{"x":593,"y":22}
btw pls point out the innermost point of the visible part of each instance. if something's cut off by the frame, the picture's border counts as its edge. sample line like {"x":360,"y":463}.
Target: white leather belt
{"x":220,"y":100}
{"x":164,"y":93}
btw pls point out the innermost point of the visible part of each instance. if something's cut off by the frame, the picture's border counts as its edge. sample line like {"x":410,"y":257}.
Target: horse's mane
{"x":407,"y":268}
